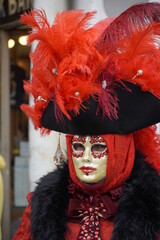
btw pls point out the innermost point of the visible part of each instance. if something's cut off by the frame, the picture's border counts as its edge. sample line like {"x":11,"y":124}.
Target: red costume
{"x":101,"y":82}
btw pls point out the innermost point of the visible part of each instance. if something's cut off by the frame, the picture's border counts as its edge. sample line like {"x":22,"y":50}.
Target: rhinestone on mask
{"x":81,"y":139}
{"x":77,"y":155}
{"x":94,"y":139}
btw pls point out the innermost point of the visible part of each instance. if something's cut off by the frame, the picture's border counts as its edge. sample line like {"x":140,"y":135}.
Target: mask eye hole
{"x":98,"y":148}
{"x":78,"y":147}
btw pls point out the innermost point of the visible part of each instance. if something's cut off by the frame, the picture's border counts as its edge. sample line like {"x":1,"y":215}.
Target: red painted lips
{"x":87,"y":170}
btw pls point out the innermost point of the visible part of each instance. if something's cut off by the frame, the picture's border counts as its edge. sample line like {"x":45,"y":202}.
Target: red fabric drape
{"x":121,"y":153}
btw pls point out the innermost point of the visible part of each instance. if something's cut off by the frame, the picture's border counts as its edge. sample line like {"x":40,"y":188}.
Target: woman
{"x":101,"y":175}
{"x":112,"y":188}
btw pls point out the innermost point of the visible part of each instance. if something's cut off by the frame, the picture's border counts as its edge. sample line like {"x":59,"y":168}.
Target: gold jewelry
{"x":59,"y":157}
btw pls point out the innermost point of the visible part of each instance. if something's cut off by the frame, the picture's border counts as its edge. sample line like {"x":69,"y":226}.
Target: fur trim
{"x":138,"y":215}
{"x":49,"y":202}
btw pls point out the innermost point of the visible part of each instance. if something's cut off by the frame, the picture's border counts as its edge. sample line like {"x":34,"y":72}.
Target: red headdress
{"x":98,"y":80}
{"x":99,"y":73}
{"x":65,"y":63}
{"x":121,"y":153}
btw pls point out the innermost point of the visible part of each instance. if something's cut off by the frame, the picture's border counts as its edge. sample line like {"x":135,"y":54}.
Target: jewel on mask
{"x":94,"y":139}
{"x":100,"y":155}
{"x":81,"y":139}
{"x":139,"y":73}
{"x":77,"y":155}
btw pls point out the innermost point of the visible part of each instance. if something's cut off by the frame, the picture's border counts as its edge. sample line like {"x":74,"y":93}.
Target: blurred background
{"x":25,"y":156}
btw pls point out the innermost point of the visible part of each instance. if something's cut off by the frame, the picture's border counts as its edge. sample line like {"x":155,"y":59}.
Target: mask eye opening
{"x":78,"y":147}
{"x":98,"y":148}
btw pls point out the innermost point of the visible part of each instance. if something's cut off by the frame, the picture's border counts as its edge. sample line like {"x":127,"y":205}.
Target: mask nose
{"x":87,"y":155}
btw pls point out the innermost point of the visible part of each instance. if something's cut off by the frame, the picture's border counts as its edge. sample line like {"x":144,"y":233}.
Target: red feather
{"x":147,"y":141}
{"x":141,"y":51}
{"x":36,"y":19}
{"x":131,"y":42}
{"x":132,"y":20}
{"x":71,"y":60}
{"x":68,"y":46}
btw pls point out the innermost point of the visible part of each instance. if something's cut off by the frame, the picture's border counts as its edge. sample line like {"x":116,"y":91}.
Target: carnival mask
{"x":89,"y":155}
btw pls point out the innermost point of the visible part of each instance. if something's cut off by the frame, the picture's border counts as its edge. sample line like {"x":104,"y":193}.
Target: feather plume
{"x":108,"y":99}
{"x":29,"y":20}
{"x":147,"y":141}
{"x":30,"y":113}
{"x":37,"y":19}
{"x":72,"y":60}
{"x":68,"y":47}
{"x":134,"y":38}
{"x":132,"y":20}
{"x":141,"y":51}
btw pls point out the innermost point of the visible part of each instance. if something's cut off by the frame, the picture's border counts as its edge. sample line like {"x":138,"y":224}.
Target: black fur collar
{"x":138,"y":215}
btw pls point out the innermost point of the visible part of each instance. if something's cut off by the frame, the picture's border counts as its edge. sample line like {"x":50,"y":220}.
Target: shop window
{"x":19,"y":71}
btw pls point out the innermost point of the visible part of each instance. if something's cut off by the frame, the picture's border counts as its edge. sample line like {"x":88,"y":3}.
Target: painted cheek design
{"x":94,"y":139}
{"x":99,"y":155}
{"x":81,"y":139}
{"x":77,"y":155}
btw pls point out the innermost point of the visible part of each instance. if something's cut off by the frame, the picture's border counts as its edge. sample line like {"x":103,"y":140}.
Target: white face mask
{"x":89,"y":158}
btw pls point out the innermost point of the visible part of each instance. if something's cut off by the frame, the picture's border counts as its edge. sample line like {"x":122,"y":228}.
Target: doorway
{"x":14,"y":68}
{"x":19,"y":71}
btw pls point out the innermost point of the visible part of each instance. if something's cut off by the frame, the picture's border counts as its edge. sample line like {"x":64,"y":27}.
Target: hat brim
{"x":137,"y":110}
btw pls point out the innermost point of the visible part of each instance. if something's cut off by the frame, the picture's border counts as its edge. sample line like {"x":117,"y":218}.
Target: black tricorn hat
{"x":104,"y":79}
